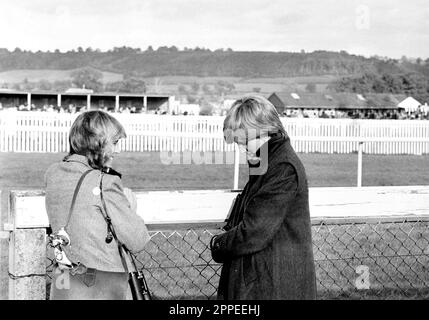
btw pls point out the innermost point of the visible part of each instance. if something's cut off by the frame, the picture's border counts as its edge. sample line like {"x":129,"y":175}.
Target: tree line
{"x":88,"y":78}
{"x":412,"y":84}
{"x":170,"y":61}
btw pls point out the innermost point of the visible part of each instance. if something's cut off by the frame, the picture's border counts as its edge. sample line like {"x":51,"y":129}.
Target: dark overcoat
{"x":267,"y":250}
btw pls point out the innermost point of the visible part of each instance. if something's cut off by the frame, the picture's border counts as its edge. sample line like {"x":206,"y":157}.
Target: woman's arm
{"x":129,"y":227}
{"x":262,"y":218}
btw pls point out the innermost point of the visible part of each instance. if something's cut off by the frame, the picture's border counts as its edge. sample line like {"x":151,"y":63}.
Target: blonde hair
{"x":252,"y":112}
{"x":90,"y":134}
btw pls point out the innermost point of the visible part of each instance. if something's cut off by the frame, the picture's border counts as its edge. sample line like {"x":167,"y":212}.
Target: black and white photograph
{"x":214,"y":154}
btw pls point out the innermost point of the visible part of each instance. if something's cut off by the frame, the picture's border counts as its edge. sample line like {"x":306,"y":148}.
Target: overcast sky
{"x":384,"y":27}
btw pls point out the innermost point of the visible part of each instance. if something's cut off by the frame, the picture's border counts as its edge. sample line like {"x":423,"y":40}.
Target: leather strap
{"x":121,"y":247}
{"x":76,"y":191}
{"x":123,"y":253}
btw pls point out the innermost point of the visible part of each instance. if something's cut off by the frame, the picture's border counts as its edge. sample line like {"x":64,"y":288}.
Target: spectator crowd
{"x":421,"y":113}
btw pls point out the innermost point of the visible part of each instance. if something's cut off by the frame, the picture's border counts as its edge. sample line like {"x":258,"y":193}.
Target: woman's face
{"x":112,"y":148}
{"x":248,"y":143}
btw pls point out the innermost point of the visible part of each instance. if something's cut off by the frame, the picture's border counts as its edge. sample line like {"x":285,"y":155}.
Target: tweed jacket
{"x":267,"y":250}
{"x":87,"y":227}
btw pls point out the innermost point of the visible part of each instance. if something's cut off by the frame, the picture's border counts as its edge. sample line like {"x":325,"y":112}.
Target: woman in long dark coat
{"x":267,"y":250}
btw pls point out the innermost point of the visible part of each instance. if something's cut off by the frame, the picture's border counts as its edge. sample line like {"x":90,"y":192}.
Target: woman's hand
{"x":131,"y":197}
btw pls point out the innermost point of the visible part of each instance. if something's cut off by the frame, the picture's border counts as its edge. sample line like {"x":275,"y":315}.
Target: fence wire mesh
{"x":377,"y":259}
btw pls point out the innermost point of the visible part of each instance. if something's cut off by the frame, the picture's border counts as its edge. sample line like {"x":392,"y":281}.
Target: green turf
{"x":147,"y":171}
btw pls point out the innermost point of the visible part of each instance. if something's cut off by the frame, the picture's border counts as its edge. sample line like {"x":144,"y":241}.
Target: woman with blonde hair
{"x":266,"y":249}
{"x":83,"y":193}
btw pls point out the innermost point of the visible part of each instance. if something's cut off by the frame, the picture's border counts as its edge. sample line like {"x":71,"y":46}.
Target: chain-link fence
{"x":355,"y":259}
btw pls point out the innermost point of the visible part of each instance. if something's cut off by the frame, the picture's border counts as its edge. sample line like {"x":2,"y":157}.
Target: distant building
{"x":285,"y":101}
{"x":410,"y":104}
{"x":83,"y":99}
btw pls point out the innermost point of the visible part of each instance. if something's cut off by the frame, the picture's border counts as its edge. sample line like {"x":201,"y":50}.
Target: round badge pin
{"x":96,"y":191}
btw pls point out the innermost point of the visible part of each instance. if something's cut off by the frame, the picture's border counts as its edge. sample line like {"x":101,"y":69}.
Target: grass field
{"x":146,"y":171}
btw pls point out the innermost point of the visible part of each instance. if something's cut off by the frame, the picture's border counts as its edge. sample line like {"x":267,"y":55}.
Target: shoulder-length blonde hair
{"x":252,"y":112}
{"x":90,"y":134}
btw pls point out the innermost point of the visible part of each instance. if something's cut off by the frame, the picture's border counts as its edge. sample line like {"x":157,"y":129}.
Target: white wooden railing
{"x":48,"y":132}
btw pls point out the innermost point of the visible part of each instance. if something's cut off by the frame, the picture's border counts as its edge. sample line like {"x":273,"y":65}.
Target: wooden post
{"x":359,"y":170}
{"x":27,"y":264}
{"x":88,"y":102}
{"x":59,"y":100}
{"x":4,"y":238}
{"x":145,"y":104}
{"x":116,"y":103}
{"x":27,"y":248}
{"x":171,"y":100}
{"x":29,"y":100}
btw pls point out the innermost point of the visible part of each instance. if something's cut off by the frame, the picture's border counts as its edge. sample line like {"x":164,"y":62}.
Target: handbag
{"x":136,"y":279}
{"x":61,"y":239}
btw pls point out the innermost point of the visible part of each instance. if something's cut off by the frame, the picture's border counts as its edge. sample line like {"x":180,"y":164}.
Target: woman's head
{"x":251,"y":117}
{"x":95,"y":134}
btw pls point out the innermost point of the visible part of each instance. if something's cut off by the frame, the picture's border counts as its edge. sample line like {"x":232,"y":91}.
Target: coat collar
{"x":275,"y":141}
{"x":84,"y":160}
{"x":77,"y":158}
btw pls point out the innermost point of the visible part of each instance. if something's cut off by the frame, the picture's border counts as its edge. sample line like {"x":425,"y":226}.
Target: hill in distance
{"x":200,"y":62}
{"x":166,"y":68}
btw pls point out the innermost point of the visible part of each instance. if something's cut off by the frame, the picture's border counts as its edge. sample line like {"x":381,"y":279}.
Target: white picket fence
{"x":48,"y":132}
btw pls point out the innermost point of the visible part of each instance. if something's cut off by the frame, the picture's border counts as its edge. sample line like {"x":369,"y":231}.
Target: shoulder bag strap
{"x":76,"y":191}
{"x":121,"y":247}
{"x":136,"y":279}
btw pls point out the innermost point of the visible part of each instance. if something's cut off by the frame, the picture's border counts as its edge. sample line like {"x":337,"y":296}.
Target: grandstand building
{"x":78,"y":99}
{"x":308,"y":103}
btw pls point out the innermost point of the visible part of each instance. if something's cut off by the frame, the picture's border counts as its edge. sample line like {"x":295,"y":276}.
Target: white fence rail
{"x":48,"y":132}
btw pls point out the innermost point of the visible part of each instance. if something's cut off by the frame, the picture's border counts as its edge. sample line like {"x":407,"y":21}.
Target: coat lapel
{"x":255,"y":181}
